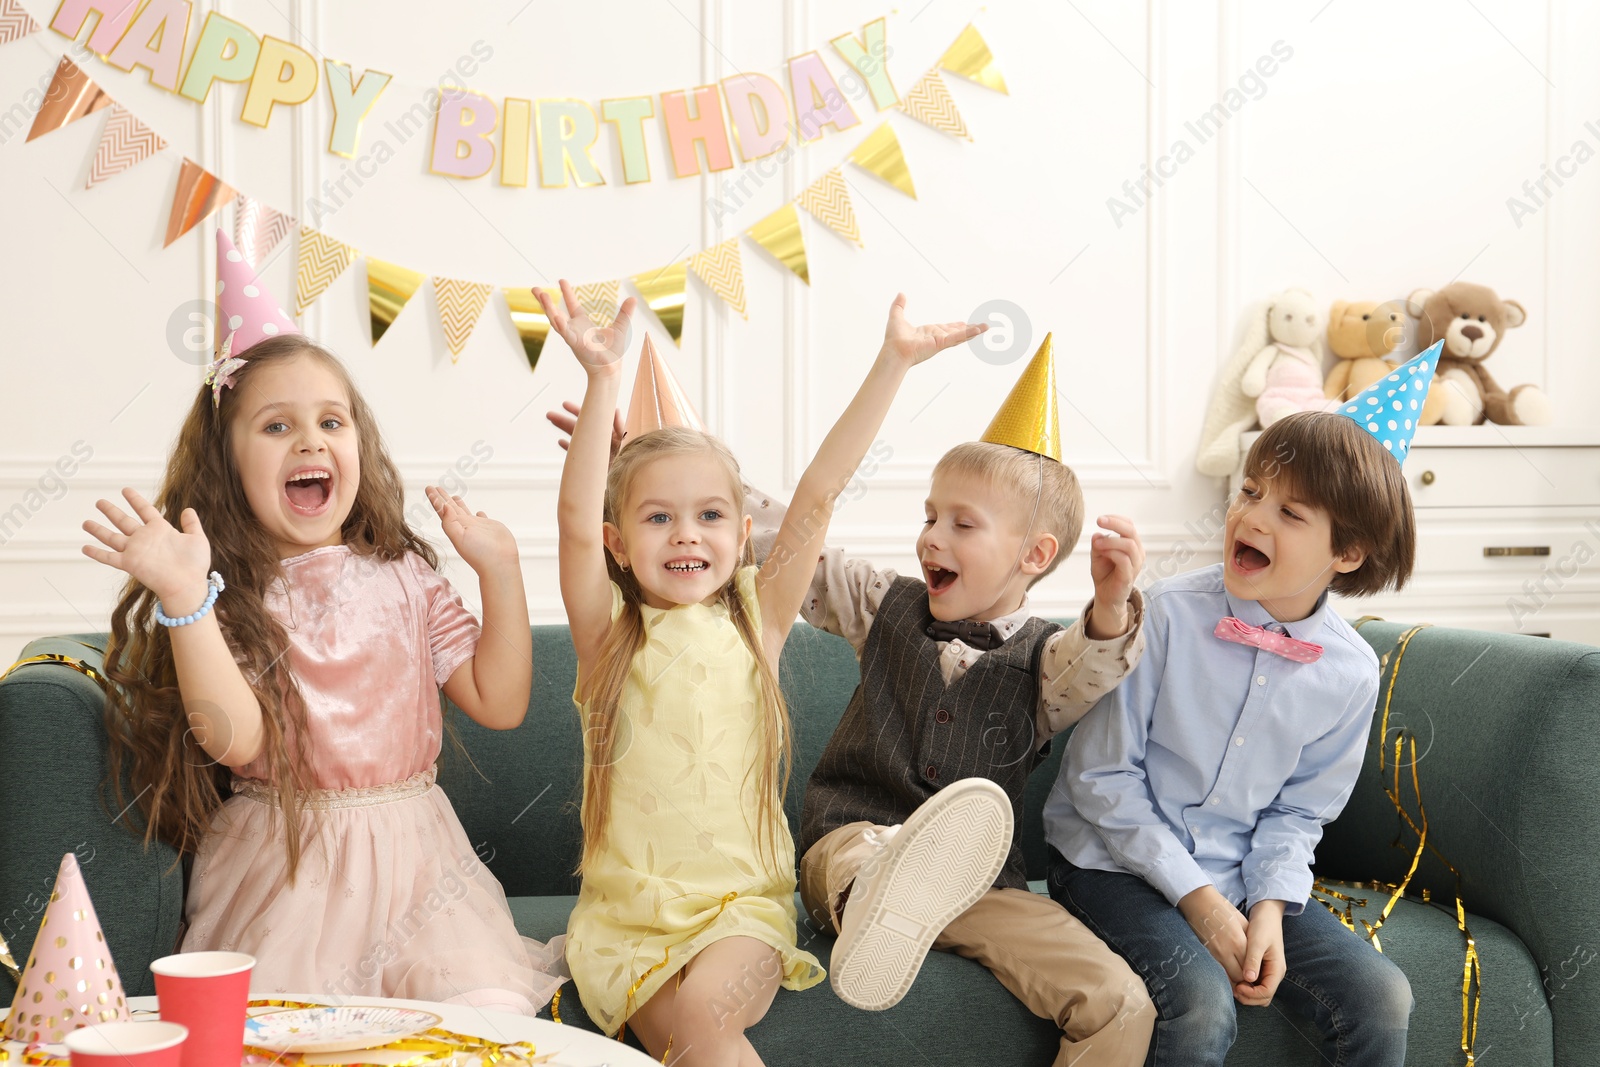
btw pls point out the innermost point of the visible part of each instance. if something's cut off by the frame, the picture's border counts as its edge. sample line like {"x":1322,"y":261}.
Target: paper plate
{"x":334,"y":1029}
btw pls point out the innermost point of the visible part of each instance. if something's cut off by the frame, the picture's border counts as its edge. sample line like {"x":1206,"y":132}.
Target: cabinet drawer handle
{"x":1516,"y":550}
{"x":1427,"y":477}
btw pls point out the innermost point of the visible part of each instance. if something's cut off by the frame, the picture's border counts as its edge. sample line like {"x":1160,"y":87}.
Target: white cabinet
{"x":1508,"y":532}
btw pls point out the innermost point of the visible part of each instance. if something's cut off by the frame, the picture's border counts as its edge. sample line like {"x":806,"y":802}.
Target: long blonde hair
{"x":176,"y":784}
{"x":603,"y":689}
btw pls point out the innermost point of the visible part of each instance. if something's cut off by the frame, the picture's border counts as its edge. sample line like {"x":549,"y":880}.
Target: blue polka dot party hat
{"x":1391,"y":409}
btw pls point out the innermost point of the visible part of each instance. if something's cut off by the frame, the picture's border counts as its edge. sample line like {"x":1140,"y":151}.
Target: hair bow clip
{"x":219,"y":373}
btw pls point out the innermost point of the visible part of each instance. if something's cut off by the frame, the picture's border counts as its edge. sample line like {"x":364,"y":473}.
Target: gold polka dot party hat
{"x":70,"y":980}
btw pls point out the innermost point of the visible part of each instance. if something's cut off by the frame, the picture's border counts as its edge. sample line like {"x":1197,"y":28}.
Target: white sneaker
{"x":946,"y":856}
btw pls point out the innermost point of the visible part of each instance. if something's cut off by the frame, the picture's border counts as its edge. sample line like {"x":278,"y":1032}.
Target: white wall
{"x":1375,"y":159}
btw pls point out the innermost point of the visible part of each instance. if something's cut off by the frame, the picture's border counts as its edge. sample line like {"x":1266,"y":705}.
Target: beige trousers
{"x":1044,"y":956}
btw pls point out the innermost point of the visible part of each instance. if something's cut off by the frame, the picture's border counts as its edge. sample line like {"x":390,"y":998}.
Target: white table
{"x":573,"y":1047}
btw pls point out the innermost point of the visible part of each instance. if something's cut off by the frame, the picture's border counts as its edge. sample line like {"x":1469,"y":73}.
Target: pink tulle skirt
{"x":390,"y":900}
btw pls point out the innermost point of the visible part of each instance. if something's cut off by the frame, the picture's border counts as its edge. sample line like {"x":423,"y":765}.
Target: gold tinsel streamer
{"x":663,"y":291}
{"x":622,"y":1028}
{"x":437,"y":1045}
{"x":9,"y":962}
{"x":389,"y":286}
{"x":1472,"y":965}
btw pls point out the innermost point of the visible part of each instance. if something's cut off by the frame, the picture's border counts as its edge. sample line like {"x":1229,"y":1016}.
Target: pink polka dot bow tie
{"x":1242,"y":633}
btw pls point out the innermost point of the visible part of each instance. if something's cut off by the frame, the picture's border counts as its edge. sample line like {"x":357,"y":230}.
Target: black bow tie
{"x":970,"y":632}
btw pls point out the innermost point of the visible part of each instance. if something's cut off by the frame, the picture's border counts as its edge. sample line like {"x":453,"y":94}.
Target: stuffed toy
{"x":1276,"y":371}
{"x":1360,"y":334}
{"x":1471,"y":320}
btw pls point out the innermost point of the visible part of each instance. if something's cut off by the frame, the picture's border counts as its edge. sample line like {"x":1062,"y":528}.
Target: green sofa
{"x":1508,"y":735}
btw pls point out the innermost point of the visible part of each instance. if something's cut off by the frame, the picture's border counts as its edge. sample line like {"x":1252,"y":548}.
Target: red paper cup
{"x":148,"y":1044}
{"x":206,"y":992}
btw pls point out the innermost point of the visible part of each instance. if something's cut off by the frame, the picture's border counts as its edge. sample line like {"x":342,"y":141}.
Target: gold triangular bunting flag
{"x":529,"y":319}
{"x":389,"y":286}
{"x":601,"y":300}
{"x":200,"y":193}
{"x":72,"y":95}
{"x":930,"y":103}
{"x":880,"y":156}
{"x":779,"y":233}
{"x":663,"y":291}
{"x":124,"y":142}
{"x":828,"y":198}
{"x":722,"y":269}
{"x":970,"y":57}
{"x":257,"y":228}
{"x":321,"y":261}
{"x":460,"y":307}
{"x":15,"y":23}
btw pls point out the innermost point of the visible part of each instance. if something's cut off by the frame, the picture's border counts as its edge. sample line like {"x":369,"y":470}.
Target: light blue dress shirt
{"x":1214,"y":761}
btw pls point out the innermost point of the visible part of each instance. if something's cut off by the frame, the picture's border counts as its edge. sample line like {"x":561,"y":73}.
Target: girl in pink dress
{"x":284,"y":733}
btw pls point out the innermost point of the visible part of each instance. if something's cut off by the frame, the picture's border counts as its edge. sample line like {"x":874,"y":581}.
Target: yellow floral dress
{"x":682,"y":865}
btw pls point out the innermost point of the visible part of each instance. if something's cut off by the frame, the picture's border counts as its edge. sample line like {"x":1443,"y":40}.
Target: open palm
{"x":169,"y":561}
{"x":597,"y":347}
{"x":917,"y":343}
{"x":481,"y":541}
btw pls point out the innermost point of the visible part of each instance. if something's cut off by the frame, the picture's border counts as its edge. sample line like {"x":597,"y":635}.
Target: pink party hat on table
{"x":70,"y":980}
{"x":245,"y":310}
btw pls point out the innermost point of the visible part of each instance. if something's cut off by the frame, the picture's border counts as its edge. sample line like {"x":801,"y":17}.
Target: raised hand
{"x":1115,"y":560}
{"x":917,"y":343}
{"x":598,"y":348}
{"x":170,"y":562}
{"x":567,"y":421}
{"x":481,"y":541}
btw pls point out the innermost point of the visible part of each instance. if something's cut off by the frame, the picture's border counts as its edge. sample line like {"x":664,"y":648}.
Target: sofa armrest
{"x":1508,"y":738}
{"x":52,"y":775}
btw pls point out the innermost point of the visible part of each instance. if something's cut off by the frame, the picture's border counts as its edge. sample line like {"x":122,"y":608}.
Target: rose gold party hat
{"x":658,"y":399}
{"x":70,"y":980}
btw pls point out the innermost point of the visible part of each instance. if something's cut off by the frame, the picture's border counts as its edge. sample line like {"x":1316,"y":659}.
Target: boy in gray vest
{"x":906,"y":822}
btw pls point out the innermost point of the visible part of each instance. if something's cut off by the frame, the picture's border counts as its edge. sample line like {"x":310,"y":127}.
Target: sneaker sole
{"x":938,"y":865}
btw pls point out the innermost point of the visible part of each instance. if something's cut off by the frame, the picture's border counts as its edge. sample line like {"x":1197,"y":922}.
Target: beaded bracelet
{"x":214,"y":586}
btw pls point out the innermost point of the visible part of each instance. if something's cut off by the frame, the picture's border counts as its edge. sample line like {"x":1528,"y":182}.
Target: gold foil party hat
{"x":1029,"y":419}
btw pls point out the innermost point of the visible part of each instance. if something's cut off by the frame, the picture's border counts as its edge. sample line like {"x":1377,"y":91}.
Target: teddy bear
{"x":1285,"y":376}
{"x":1470,"y":320}
{"x":1276,"y":371}
{"x":1361,"y":333}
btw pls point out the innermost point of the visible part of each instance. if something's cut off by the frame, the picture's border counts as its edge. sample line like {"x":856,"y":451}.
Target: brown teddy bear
{"x":1361,"y":333}
{"x":1471,"y":320}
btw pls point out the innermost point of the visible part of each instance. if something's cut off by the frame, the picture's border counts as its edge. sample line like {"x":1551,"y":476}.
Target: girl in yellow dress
{"x":685,"y":924}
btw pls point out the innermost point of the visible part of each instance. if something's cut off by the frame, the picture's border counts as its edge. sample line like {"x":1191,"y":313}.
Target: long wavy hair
{"x":603,"y":689}
{"x":176,"y":784}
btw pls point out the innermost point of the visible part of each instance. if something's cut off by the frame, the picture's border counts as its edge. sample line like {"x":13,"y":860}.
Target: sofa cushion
{"x":956,"y":1009}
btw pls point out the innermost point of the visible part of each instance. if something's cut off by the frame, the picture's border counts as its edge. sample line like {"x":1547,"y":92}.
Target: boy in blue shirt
{"x":1184,"y":819}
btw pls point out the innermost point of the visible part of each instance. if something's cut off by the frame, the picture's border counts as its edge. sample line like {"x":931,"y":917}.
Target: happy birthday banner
{"x":473,"y":130}
{"x":322,"y":259}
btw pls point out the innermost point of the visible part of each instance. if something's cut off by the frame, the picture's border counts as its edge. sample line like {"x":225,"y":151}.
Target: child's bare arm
{"x":224,"y":715}
{"x":786,"y":577}
{"x":580,"y":510}
{"x":492,"y":687}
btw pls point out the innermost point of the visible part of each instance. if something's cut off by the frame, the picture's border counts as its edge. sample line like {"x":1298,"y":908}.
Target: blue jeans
{"x":1358,"y":998}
